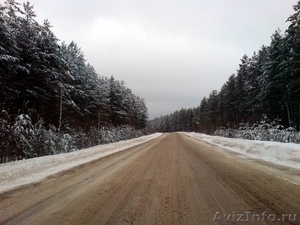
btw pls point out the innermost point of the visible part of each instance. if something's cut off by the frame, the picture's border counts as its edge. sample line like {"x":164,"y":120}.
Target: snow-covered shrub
{"x":67,"y":143}
{"x":81,"y":138}
{"x":114,"y":134}
{"x":21,"y":139}
{"x":51,"y":140}
{"x":291,"y":135}
{"x":262,"y":131}
{"x":95,"y":137}
{"x":24,"y":136}
{"x":39,"y":139}
{"x":7,"y":144}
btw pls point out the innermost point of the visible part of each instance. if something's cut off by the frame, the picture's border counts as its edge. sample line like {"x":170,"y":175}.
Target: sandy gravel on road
{"x":170,"y":180}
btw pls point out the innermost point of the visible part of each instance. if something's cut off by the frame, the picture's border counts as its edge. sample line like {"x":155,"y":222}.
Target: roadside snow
{"x":286,"y":154}
{"x":15,"y":174}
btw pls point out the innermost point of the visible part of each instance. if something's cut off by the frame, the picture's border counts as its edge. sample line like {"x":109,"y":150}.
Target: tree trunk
{"x":298,"y":125}
{"x":60,"y":113}
{"x":288,"y":113}
{"x":99,"y":120}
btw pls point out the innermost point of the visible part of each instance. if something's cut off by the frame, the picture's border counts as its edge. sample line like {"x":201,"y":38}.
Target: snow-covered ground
{"x":286,"y":154}
{"x":15,"y":174}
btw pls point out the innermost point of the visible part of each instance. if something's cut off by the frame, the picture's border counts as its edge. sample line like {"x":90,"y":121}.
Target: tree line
{"x":47,"y":88}
{"x":266,"y":86}
{"x":52,"y":81}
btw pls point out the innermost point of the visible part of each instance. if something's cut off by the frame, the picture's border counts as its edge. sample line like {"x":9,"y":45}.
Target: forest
{"x":264,"y":93}
{"x":51,"y":99}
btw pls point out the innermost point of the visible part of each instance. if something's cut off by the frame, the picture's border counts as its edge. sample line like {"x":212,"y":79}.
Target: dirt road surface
{"x":167,"y":181}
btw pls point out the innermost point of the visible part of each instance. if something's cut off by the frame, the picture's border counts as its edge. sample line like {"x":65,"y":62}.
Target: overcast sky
{"x":171,"y":53}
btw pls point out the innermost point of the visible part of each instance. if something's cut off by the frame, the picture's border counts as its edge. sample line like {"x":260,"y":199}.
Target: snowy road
{"x":173,"y":179}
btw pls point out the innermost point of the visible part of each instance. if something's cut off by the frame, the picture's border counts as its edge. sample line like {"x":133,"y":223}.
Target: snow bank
{"x":286,"y":154}
{"x":15,"y":174}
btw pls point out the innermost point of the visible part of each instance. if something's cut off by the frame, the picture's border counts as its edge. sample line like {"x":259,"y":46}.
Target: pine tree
{"x":292,"y":69}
